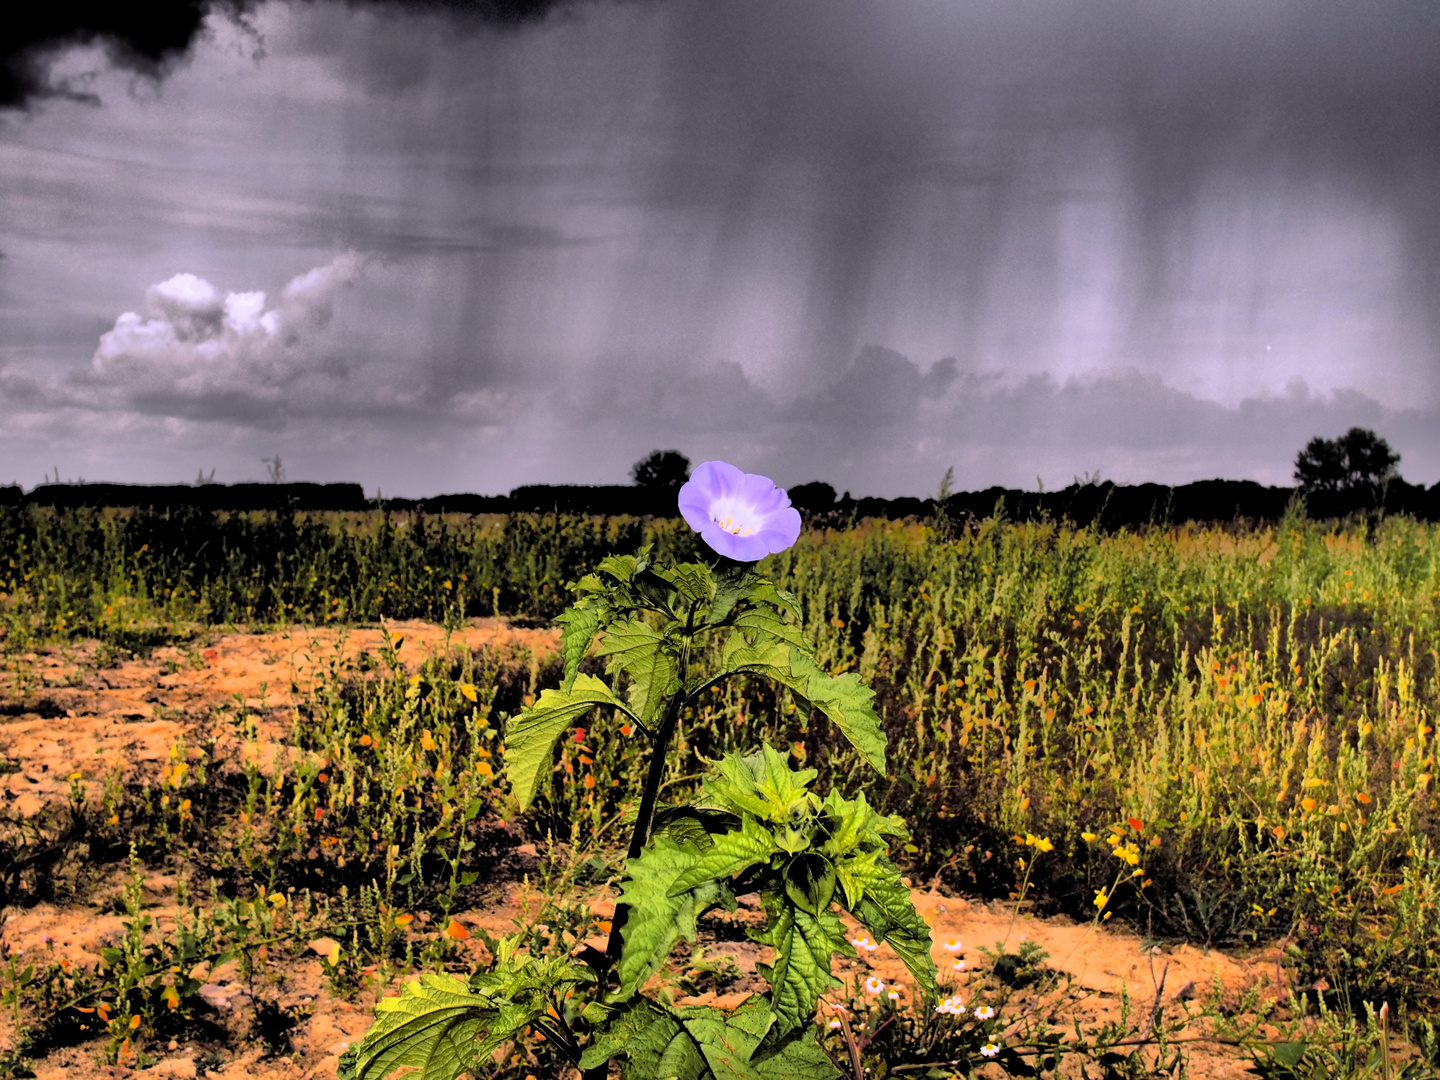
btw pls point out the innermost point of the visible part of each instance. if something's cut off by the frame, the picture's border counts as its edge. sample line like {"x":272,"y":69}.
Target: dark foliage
{"x":663,"y":469}
{"x":1358,"y":463}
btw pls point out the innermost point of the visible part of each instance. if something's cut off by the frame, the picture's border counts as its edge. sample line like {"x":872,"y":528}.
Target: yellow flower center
{"x":729,"y":526}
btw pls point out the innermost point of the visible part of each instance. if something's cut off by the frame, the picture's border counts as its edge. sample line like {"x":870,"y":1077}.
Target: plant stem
{"x":645,"y":816}
{"x":850,"y":1044}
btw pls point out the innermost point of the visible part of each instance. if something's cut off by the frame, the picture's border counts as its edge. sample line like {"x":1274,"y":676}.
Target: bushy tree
{"x":1358,"y":461}
{"x":666,"y":469}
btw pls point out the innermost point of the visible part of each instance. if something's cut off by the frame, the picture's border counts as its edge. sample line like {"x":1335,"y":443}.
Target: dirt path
{"x":81,"y":716}
{"x":67,"y":712}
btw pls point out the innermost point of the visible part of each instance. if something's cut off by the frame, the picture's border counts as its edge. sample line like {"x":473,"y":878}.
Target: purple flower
{"x":741,"y":515}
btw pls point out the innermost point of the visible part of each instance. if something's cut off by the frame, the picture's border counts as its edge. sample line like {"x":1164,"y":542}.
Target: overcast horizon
{"x":851,"y":241}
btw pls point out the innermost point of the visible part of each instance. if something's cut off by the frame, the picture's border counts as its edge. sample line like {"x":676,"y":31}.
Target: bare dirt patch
{"x":77,"y":713}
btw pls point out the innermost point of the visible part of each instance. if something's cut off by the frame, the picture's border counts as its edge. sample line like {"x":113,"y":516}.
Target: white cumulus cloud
{"x":196,"y":340}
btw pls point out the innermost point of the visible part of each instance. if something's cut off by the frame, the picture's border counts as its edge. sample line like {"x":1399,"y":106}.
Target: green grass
{"x":1262,"y":701}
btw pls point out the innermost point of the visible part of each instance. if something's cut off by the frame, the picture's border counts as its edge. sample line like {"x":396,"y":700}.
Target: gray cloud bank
{"x":1163,"y":240}
{"x":202,"y":360}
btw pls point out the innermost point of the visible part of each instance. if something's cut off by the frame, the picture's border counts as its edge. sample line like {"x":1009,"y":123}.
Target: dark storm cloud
{"x":943,"y":127}
{"x":149,"y":38}
{"x":729,"y":227}
{"x":880,"y":388}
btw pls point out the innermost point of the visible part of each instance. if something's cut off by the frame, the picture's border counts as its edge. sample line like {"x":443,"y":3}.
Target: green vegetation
{"x":1260,"y":702}
{"x":756,"y":828}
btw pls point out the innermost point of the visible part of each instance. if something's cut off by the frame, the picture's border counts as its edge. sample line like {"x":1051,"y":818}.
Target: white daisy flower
{"x":990,"y":1049}
{"x":953,"y":945}
{"x":984,"y":1012}
{"x":864,"y":943}
{"x":874,"y":985}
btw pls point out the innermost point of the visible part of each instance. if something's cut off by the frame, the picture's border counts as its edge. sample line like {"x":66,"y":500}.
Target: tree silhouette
{"x":1358,"y":461}
{"x":664,"y":469}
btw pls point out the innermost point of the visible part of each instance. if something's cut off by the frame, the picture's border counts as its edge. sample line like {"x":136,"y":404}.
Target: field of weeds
{"x":1158,"y":784}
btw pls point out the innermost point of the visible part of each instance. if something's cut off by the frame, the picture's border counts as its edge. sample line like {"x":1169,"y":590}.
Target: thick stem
{"x":649,"y":795}
{"x":645,"y":816}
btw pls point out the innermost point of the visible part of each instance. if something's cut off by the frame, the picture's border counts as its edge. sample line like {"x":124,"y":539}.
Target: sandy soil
{"x":78,"y":715}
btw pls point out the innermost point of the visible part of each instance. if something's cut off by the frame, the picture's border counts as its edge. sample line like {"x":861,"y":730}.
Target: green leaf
{"x":729,"y":854}
{"x":656,"y":920}
{"x":850,"y":824}
{"x":728,"y":1041}
{"x":767,"y":592}
{"x":681,"y":1060}
{"x":732,"y":585}
{"x":621,"y":567}
{"x":764,"y":656}
{"x":646,"y":658}
{"x":691,"y":824}
{"x":845,"y":699}
{"x":642,"y":1032}
{"x":578,"y":625}
{"x":702,"y":1043}
{"x":432,"y":1026}
{"x":848,"y":702}
{"x":852,"y":873}
{"x":886,"y":911}
{"x":1288,"y":1054}
{"x":768,"y":622}
{"x":530,"y":738}
{"x":810,"y":882}
{"x":694,"y":585}
{"x":798,"y":1056}
{"x":512,"y":1019}
{"x":803,"y":946}
{"x":763,"y":784}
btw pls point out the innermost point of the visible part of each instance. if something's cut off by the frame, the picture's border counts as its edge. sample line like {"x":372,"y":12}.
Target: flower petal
{"x":781,"y":530}
{"x":740,"y":548}
{"x":757,"y":517}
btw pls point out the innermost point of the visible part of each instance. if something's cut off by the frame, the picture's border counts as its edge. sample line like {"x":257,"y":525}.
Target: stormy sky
{"x":439,"y":247}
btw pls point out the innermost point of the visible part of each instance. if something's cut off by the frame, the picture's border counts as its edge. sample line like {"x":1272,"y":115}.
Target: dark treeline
{"x":1105,"y":505}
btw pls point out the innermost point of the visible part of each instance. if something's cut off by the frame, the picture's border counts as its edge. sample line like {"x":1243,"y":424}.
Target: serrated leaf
{"x":640,"y":1031}
{"x":728,"y":1041}
{"x":803,"y":944}
{"x":852,"y":873}
{"x":434,"y":1026}
{"x":681,"y":1060}
{"x":844,"y":699}
{"x":620,"y":567}
{"x":767,"y":621}
{"x":676,"y":590}
{"x":810,"y":882}
{"x":848,"y":703}
{"x":654,"y":919}
{"x":798,"y":1056}
{"x":578,"y":626}
{"x":765,"y":657}
{"x":732,"y":585}
{"x":530,"y":738}
{"x":767,"y":592}
{"x":512,"y":1019}
{"x":887,"y":911}
{"x":729,"y":854}
{"x":763,"y":784}
{"x":851,"y":823}
{"x":691,"y":824}
{"x":644,"y":655}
